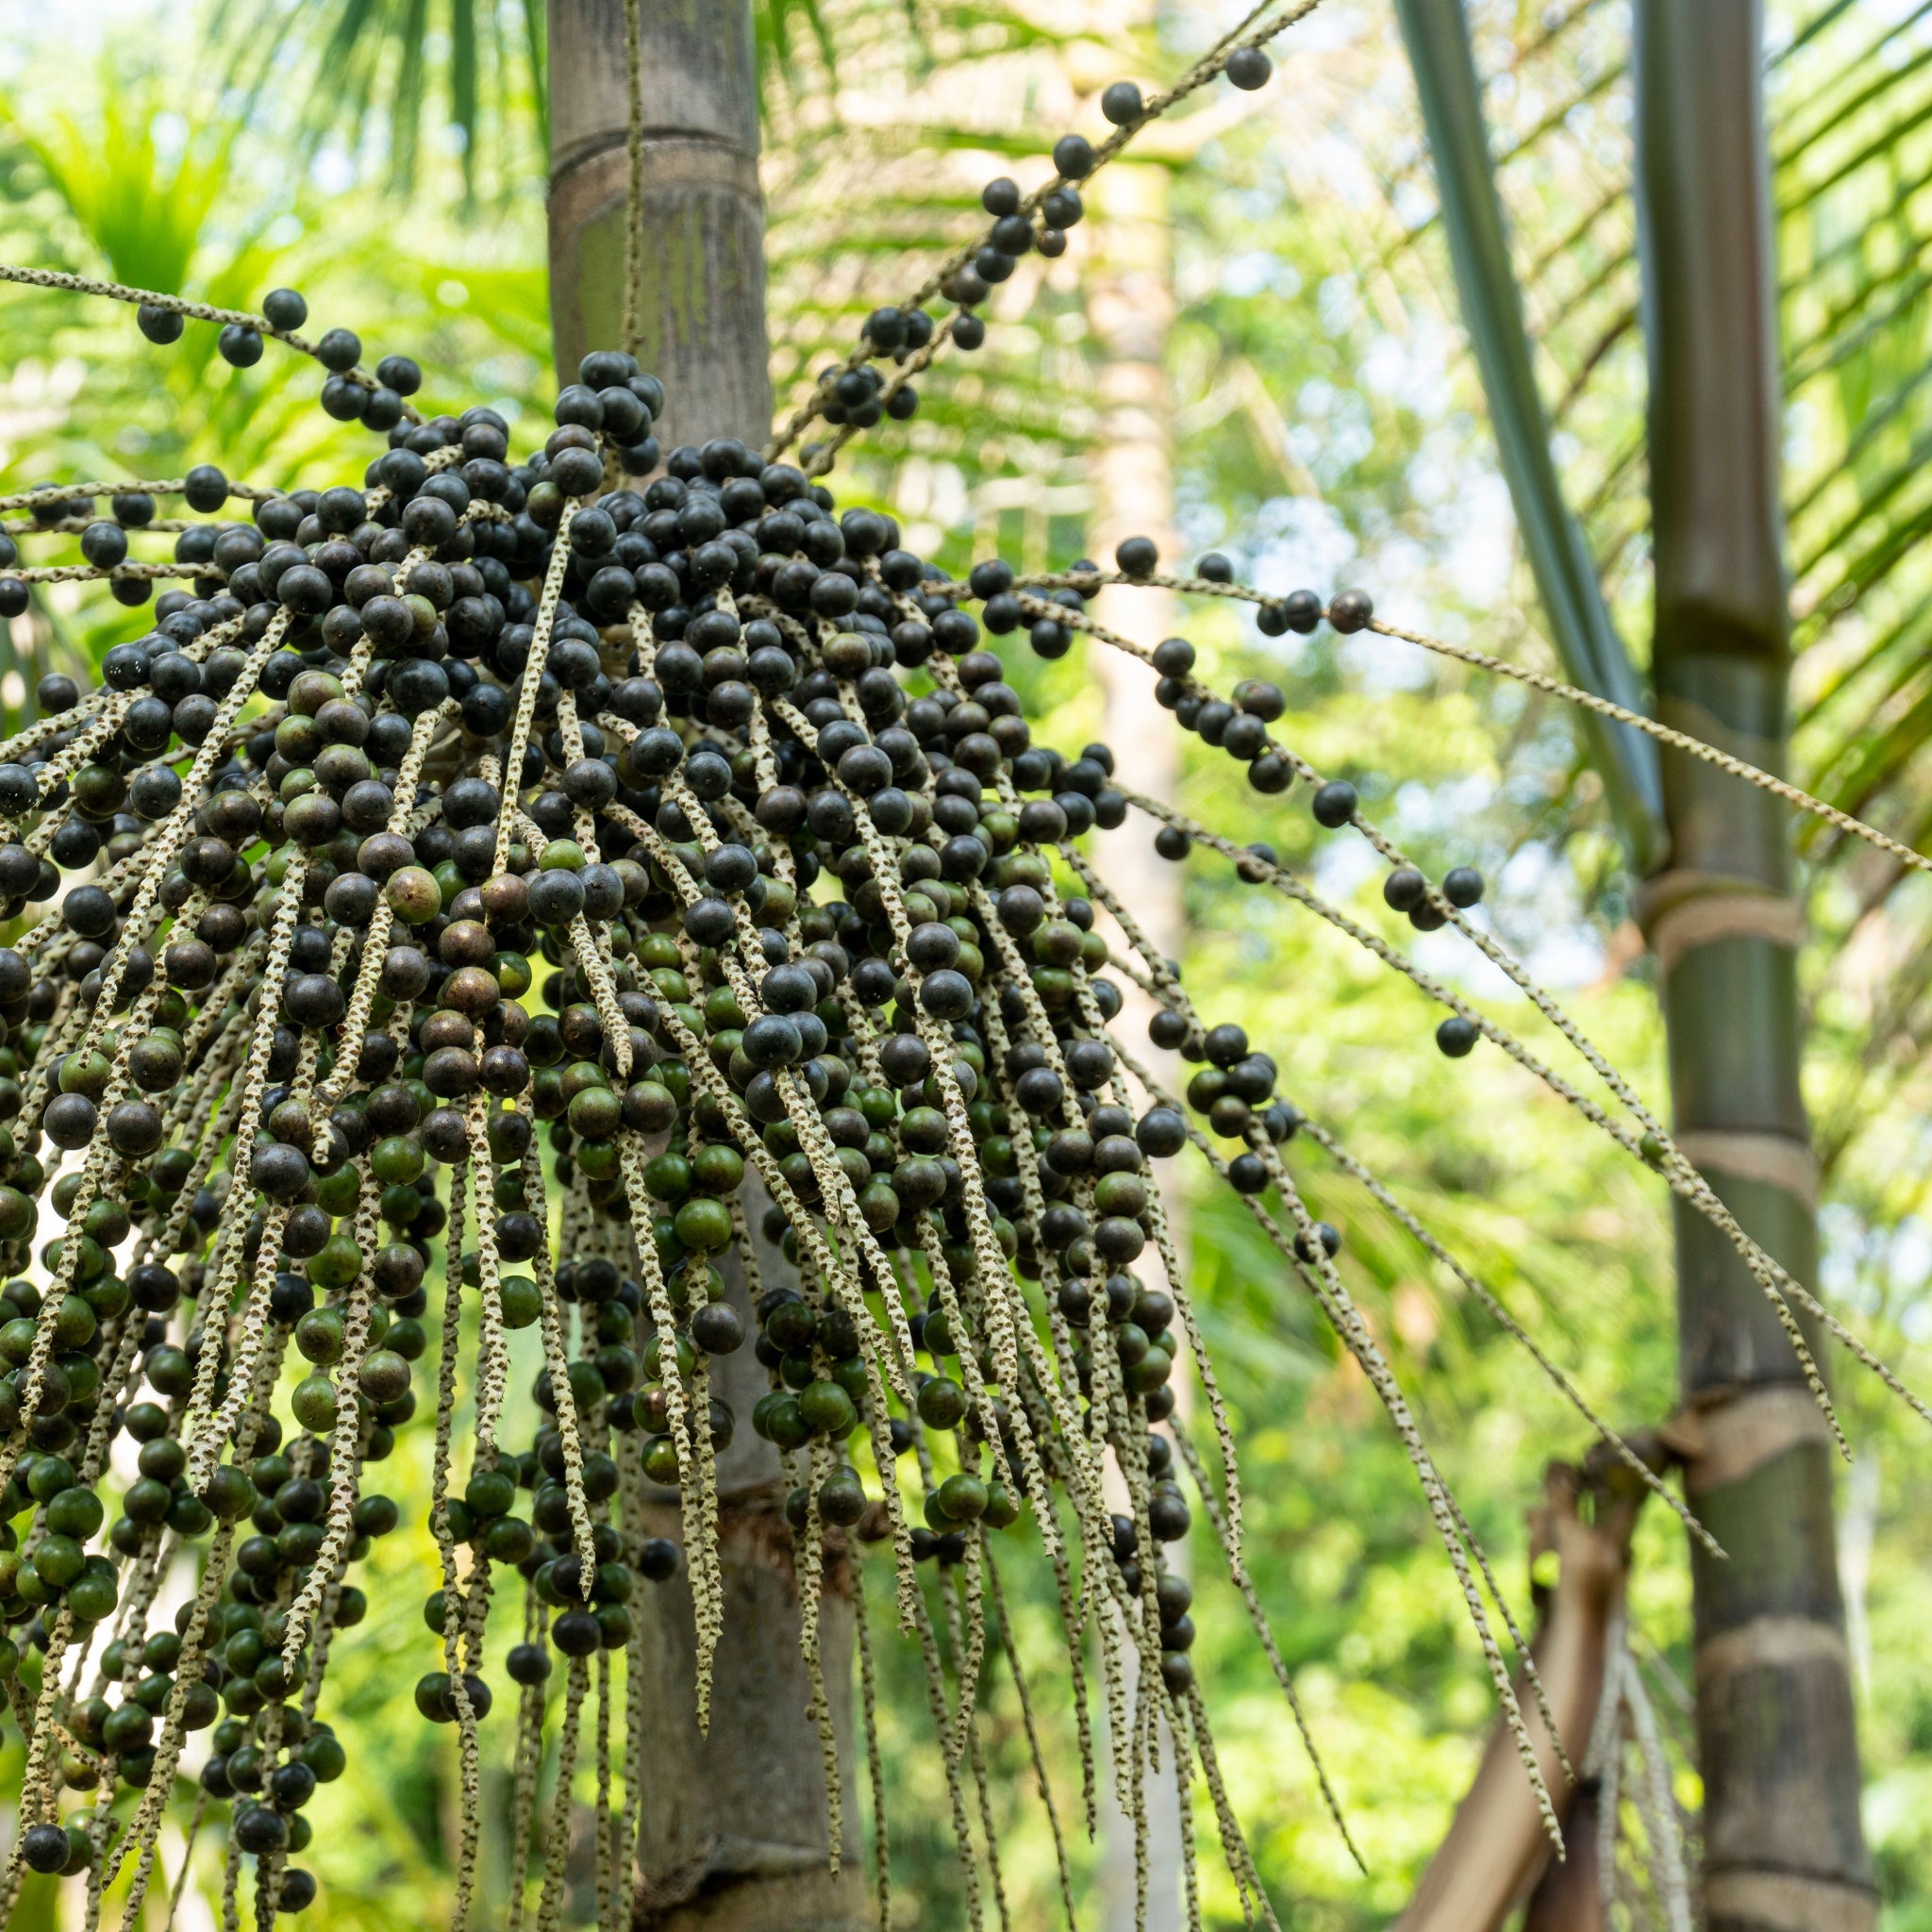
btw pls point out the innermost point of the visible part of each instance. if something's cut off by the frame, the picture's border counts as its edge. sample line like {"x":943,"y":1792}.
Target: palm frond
{"x":364,"y":69}
{"x":1841,"y":111}
{"x":139,"y":210}
{"x":1581,"y":622}
{"x":1849,"y":99}
{"x":399,"y":70}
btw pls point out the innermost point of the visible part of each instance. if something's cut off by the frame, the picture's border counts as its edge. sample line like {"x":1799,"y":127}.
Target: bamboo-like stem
{"x":1776,"y":1738}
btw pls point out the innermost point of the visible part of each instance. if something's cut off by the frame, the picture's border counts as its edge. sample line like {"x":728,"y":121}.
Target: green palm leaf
{"x":1849,"y":99}
{"x":478,"y":70}
{"x":144,"y":211}
{"x":1579,"y":621}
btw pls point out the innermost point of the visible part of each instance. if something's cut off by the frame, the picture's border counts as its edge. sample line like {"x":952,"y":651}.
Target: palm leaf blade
{"x":1593,"y":655}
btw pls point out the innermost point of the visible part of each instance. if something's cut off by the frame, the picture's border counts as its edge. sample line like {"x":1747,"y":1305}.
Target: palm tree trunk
{"x":701,"y":312}
{"x":734,"y":1824}
{"x":733,"y":1829}
{"x":1131,"y":306}
{"x":1777,"y":1739}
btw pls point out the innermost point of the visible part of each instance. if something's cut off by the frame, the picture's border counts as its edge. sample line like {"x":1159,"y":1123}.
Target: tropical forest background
{"x":1253,"y":344}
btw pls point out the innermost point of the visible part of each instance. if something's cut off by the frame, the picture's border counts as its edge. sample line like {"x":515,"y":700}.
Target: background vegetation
{"x":1325,"y":427}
